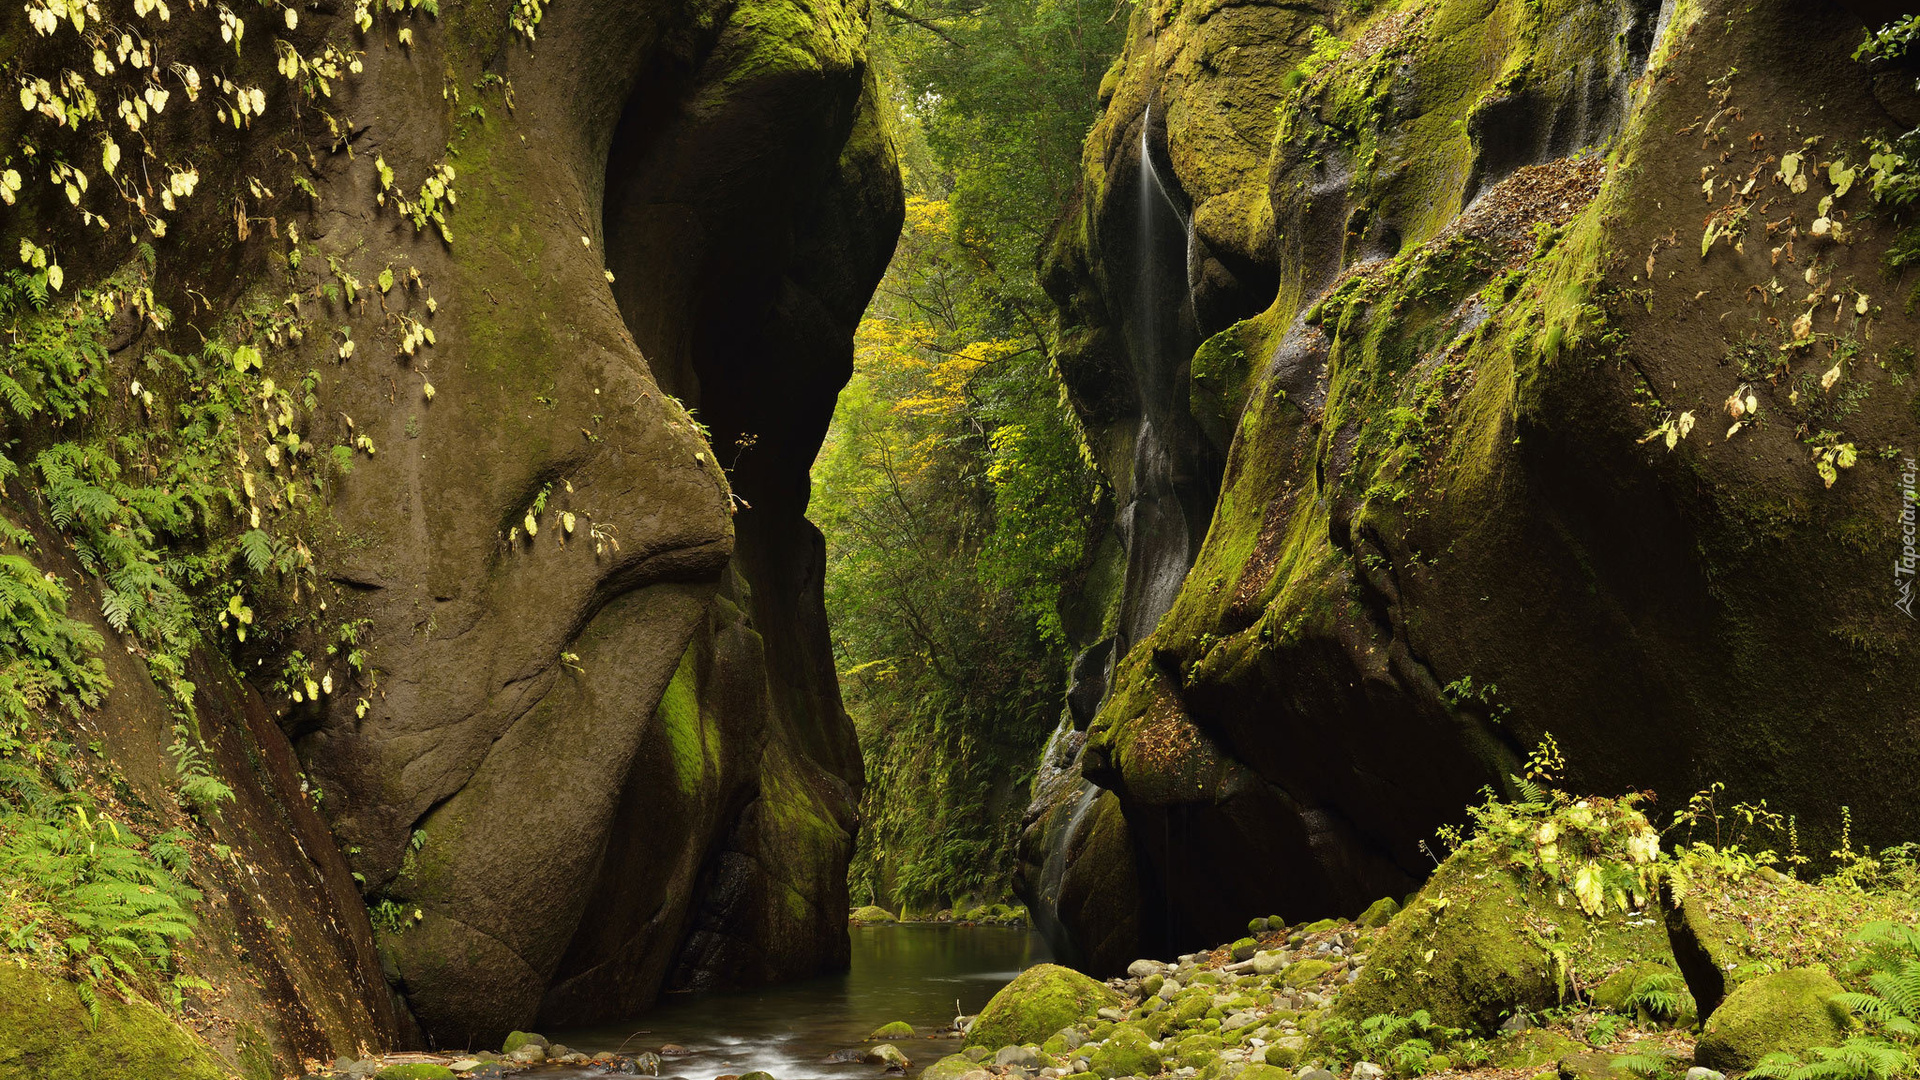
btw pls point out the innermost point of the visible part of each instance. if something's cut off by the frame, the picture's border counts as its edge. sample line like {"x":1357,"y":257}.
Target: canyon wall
{"x":1562,"y":385}
{"x":541,"y":312}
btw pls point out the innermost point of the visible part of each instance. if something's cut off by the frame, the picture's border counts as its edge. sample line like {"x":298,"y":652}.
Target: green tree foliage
{"x":954,"y":502}
{"x":953,"y":490}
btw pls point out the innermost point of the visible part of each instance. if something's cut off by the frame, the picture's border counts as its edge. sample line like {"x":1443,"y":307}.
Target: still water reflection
{"x":916,"y":973}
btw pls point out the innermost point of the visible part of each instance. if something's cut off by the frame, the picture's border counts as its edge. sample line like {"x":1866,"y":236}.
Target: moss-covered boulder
{"x":1488,"y":937}
{"x":1379,"y":913}
{"x":1038,"y":1002}
{"x":1303,"y":973}
{"x":899,"y":1029}
{"x":1127,"y":1052}
{"x":872,"y":914}
{"x":517,"y":1039}
{"x":1792,"y":1011}
{"x":47,"y":1034}
{"x":1534,"y":1048}
{"x":1194,"y":1051}
{"x":951,"y":1067}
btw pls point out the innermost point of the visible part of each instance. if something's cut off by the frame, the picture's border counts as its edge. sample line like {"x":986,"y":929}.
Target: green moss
{"x":1040,"y":1001}
{"x":899,"y":1029}
{"x":767,"y":38}
{"x":872,"y":914}
{"x":1304,"y":972}
{"x":1534,"y":1048}
{"x":1125,"y":1053}
{"x":48,"y":1035}
{"x":1484,"y":940}
{"x":678,"y":715}
{"x":1196,"y":1050}
{"x":1790,"y":1012}
{"x":951,"y":1067}
{"x":518,"y":1039}
{"x":1380,"y":912}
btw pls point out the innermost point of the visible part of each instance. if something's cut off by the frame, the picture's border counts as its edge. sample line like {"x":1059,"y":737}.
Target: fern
{"x":1861,"y":1057}
{"x":1662,"y":995}
{"x":199,"y":788}
{"x":257,"y":548}
{"x":1646,"y":1064}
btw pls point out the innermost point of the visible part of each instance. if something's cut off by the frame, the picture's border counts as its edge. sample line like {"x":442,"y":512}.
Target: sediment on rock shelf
{"x":1560,"y":378}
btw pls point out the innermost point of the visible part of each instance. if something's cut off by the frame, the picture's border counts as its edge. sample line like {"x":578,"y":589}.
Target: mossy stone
{"x":1304,"y":972}
{"x":872,"y":914}
{"x":951,"y":1067}
{"x":47,"y":1035}
{"x":1282,"y":1057}
{"x":518,"y":1039}
{"x":1380,"y":913}
{"x":756,"y":1075}
{"x":1196,"y":1050}
{"x":1534,"y":1048}
{"x":1151,"y":985}
{"x":1791,"y":1011}
{"x":1257,"y":926}
{"x":1040,"y":1001}
{"x":419,"y":1070}
{"x":1323,"y":924}
{"x":1125,"y":1053}
{"x":1258,"y":1071}
{"x":1245,"y":948}
{"x":899,"y":1029}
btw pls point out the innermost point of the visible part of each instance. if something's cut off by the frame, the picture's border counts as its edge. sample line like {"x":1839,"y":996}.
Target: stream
{"x":911,"y":972}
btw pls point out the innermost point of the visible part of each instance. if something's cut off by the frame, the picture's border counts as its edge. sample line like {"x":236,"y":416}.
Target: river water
{"x":916,"y":973}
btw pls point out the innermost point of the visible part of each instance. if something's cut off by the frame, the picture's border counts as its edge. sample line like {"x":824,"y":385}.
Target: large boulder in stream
{"x":1038,"y":1002}
{"x":1561,"y":387}
{"x":492,"y":474}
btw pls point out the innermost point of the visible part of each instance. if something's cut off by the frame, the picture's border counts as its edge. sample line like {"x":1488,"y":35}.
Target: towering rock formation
{"x":1568,"y":392}
{"x":563,"y":693}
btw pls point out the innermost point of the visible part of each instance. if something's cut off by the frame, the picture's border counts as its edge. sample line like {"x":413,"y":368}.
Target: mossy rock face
{"x":1125,"y":1053}
{"x":899,"y":1029}
{"x":46,"y":1034}
{"x":1496,"y":521}
{"x":872,"y":914}
{"x":1040,"y":1001}
{"x":1534,"y":1048}
{"x":420,"y":1070}
{"x":1791,"y":1011}
{"x":1469,"y":948}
